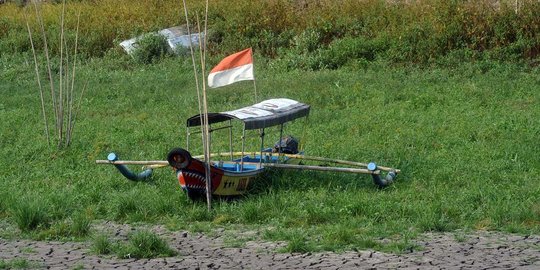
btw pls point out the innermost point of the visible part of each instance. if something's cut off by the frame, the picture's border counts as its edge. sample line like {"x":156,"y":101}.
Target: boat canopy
{"x":268,"y":113}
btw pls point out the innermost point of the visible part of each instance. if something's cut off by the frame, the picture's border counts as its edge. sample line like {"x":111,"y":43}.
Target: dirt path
{"x":480,"y":250}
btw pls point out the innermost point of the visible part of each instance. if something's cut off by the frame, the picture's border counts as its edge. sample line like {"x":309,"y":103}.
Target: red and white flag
{"x":233,"y":68}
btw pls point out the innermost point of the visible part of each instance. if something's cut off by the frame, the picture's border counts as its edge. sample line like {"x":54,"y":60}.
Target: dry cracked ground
{"x":478,"y":250}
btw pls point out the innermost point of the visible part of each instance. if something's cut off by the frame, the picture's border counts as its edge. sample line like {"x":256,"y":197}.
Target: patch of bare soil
{"x":479,"y":250}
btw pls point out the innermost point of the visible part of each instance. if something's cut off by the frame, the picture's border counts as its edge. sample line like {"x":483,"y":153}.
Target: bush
{"x":151,"y":48}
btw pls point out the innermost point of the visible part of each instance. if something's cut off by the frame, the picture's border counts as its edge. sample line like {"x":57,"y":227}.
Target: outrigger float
{"x":232,"y":173}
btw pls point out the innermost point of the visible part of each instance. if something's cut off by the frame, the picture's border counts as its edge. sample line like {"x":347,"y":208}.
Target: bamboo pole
{"x":313,"y":158}
{"x":70,"y":113}
{"x":276,"y":165}
{"x":49,"y":71}
{"x":134,"y":162}
{"x":320,"y":168}
{"x":39,"y":82}
{"x":78,"y":108}
{"x":61,"y":87}
{"x":206,"y":123}
{"x":205,"y":143}
{"x":195,"y":73}
{"x":337,"y":161}
{"x":208,"y":171}
{"x":230,"y":139}
{"x":162,"y":163}
{"x":254,"y":84}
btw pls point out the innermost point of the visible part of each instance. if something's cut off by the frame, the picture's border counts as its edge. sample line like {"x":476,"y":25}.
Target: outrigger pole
{"x":371,"y":168}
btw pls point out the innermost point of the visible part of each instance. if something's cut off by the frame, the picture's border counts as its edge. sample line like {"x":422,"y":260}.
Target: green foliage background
{"x":324,"y":32}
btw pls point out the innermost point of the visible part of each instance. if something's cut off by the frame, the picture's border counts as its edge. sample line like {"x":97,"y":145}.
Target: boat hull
{"x":225,"y":180}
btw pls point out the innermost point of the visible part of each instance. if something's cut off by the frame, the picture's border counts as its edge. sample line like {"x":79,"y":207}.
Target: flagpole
{"x":255,"y":87}
{"x":254,"y":84}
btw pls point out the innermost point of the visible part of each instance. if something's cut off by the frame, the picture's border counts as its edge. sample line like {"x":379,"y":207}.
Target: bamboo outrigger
{"x":231,"y":173}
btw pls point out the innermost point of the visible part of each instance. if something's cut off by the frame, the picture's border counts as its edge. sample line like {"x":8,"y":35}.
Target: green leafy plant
{"x":151,"y":48}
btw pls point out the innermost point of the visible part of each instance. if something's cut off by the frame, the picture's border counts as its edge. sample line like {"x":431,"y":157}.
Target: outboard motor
{"x":288,"y":145}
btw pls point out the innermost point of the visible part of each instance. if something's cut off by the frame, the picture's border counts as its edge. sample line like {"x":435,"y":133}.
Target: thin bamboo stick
{"x":71,"y":123}
{"x":134,"y":162}
{"x":254,"y":84}
{"x":67,"y":82}
{"x":41,"y":96}
{"x":337,"y":161}
{"x":195,"y":73}
{"x":78,"y":108}
{"x":313,"y":158}
{"x":46,"y":49}
{"x":206,"y":124}
{"x":204,"y":134}
{"x":163,"y":163}
{"x":320,"y":168}
{"x":60,"y":120}
{"x":155,"y":166}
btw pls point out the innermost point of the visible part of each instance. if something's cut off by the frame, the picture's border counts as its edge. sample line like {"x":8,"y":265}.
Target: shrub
{"x":151,"y":48}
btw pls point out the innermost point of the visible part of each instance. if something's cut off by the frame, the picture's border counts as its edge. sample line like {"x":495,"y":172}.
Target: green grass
{"x":464,"y":136}
{"x":19,"y":263}
{"x":145,"y":244}
{"x":102,"y":245}
{"x":141,"y":244}
{"x":30,"y":215}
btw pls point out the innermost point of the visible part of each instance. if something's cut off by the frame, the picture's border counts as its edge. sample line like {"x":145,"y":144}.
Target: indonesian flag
{"x":233,"y":68}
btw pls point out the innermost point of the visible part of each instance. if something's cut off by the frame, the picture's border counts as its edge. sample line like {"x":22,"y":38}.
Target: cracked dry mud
{"x":479,"y":250}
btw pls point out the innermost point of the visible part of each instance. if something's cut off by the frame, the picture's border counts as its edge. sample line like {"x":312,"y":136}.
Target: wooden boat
{"x":231,"y":173}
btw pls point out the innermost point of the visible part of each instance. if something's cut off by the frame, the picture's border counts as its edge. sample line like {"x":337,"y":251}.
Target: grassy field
{"x":466,"y":139}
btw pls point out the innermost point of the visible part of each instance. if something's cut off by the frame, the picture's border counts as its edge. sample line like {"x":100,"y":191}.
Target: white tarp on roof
{"x":176,"y":37}
{"x":265,"y":108}
{"x":268,"y":113}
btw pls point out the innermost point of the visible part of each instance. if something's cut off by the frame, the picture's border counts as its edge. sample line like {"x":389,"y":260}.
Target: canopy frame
{"x":265,"y":114}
